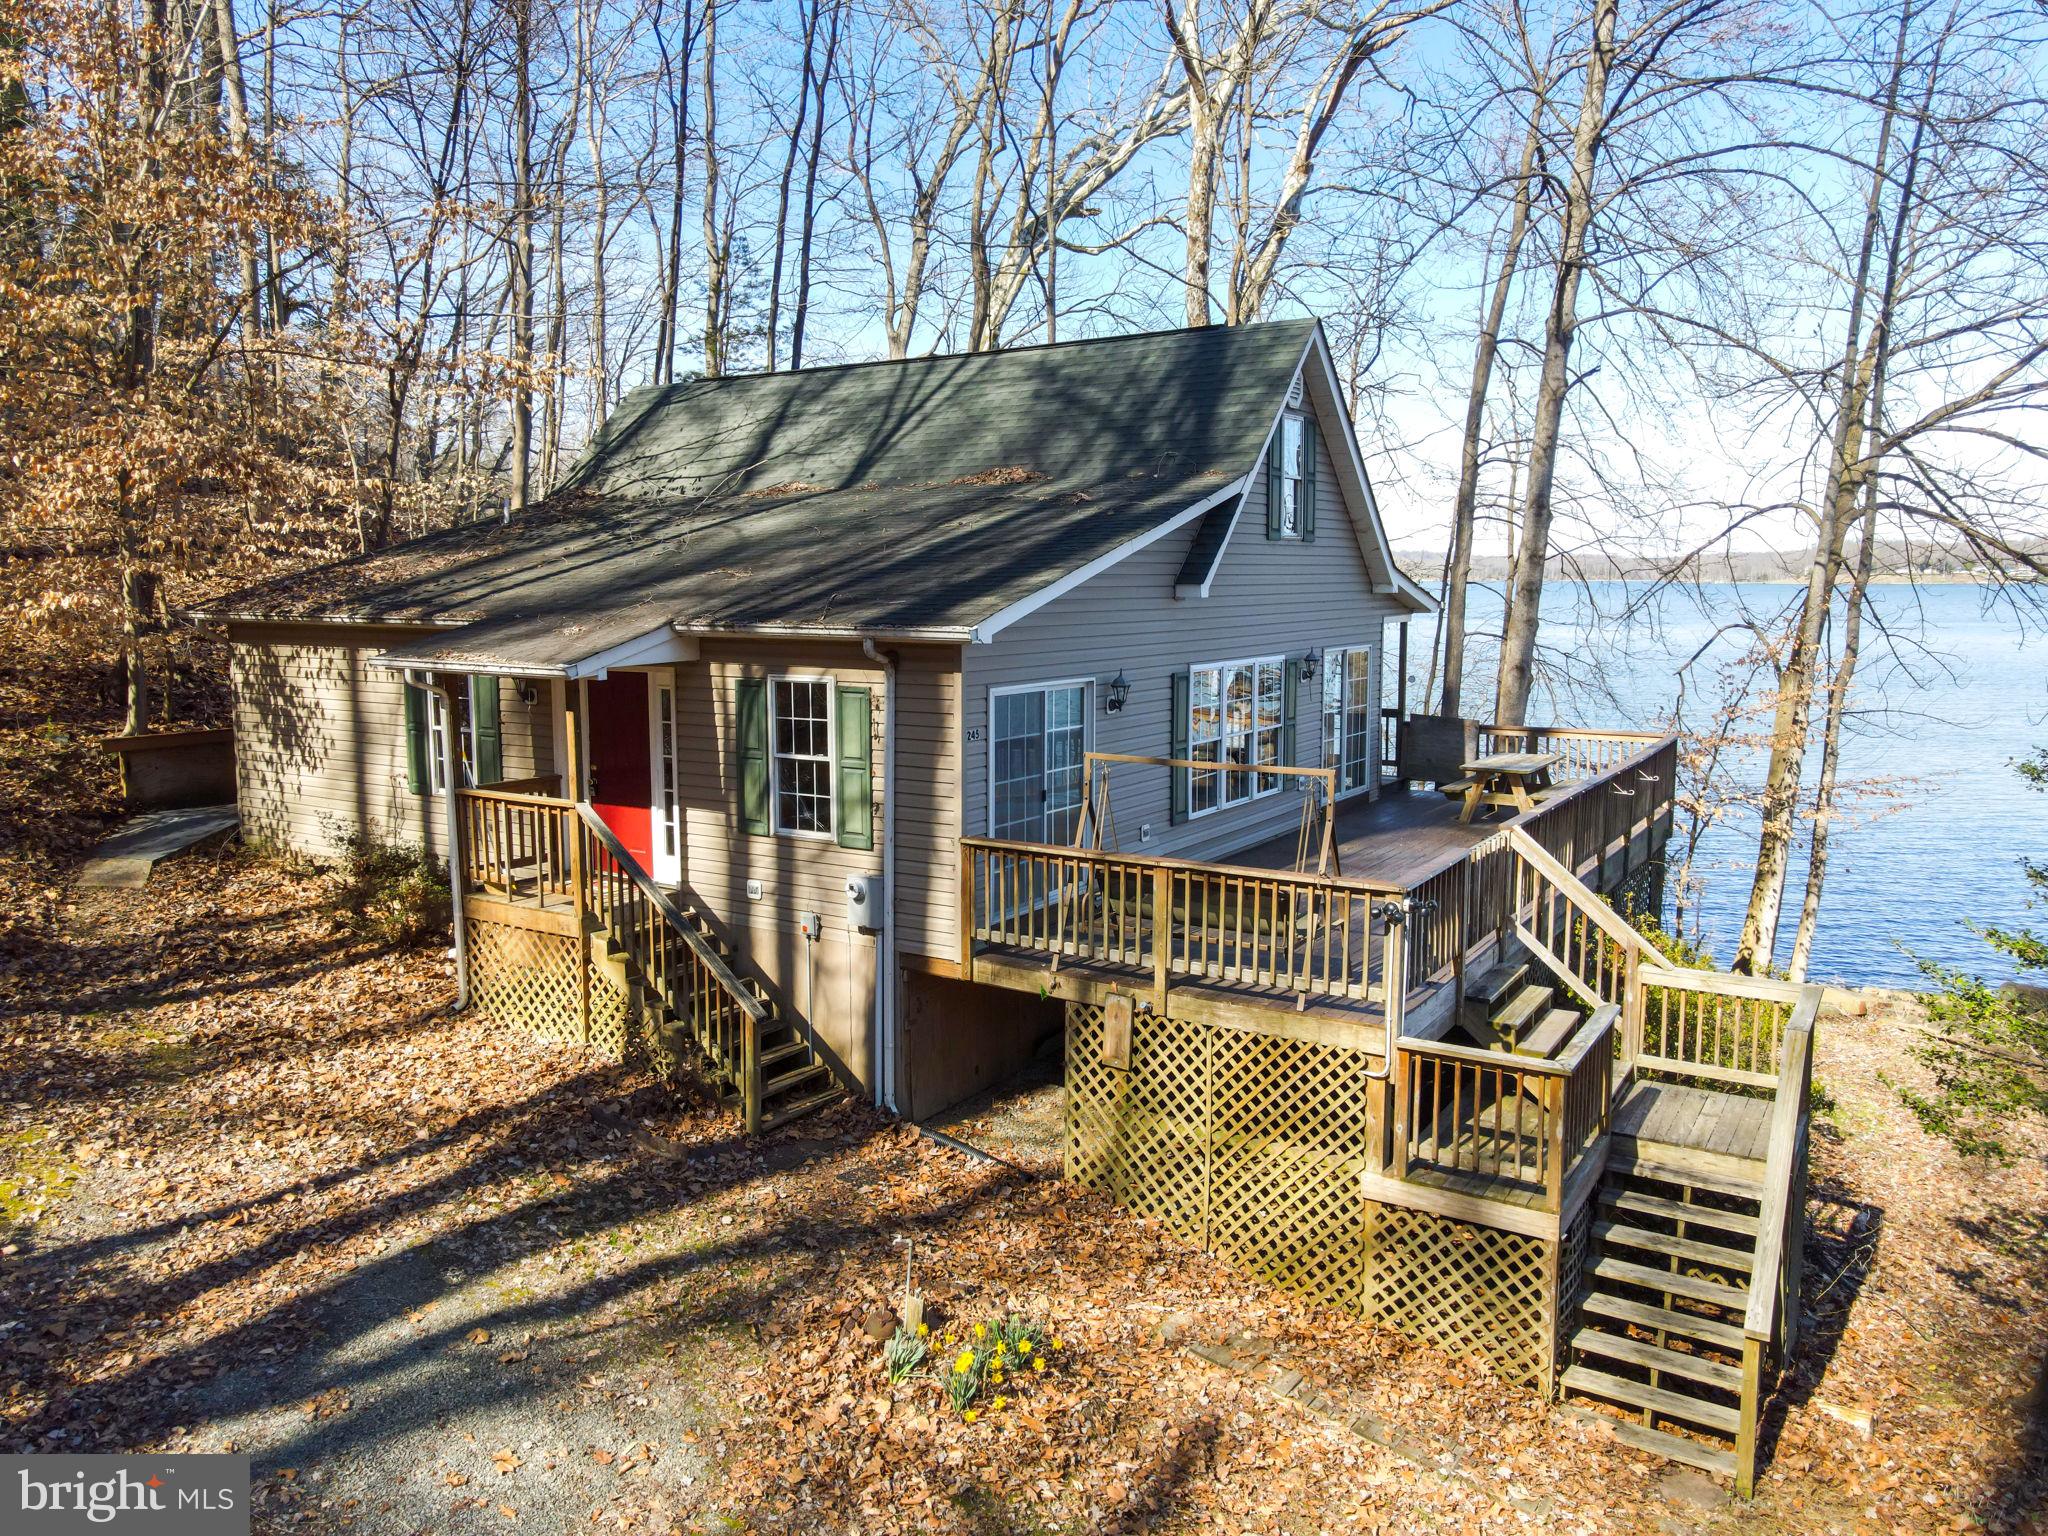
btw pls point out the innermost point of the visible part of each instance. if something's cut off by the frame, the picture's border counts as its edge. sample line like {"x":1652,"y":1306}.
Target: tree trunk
{"x":1756,"y":945}
{"x":808,"y":224}
{"x":717,"y":242}
{"x":1525,"y":597}
{"x":521,"y":296}
{"x":1464,"y":511}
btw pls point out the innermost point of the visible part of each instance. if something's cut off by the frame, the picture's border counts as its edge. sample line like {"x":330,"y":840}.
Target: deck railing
{"x":673,"y":960}
{"x":1496,"y":1120}
{"x":1307,"y":935}
{"x":1715,"y":1027}
{"x":1584,"y":754}
{"x":516,"y":845}
{"x":548,"y":853}
{"x":1770,"y":1325}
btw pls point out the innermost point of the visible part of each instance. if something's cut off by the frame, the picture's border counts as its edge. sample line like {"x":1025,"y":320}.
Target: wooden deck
{"x":1695,"y":1129}
{"x":1398,"y":838}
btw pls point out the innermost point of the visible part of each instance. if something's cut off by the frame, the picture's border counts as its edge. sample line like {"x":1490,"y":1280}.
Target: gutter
{"x":885,"y":958}
{"x":451,"y":775}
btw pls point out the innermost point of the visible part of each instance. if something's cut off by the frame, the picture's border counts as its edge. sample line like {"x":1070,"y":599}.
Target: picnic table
{"x":1518,"y":779}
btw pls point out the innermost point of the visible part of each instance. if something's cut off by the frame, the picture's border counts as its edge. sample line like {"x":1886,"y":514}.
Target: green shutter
{"x":485,"y":726}
{"x":750,"y":751}
{"x":1290,"y":698}
{"x":1276,"y":478}
{"x":416,"y":776}
{"x":1179,"y":747}
{"x":1305,"y":515}
{"x":853,"y":810}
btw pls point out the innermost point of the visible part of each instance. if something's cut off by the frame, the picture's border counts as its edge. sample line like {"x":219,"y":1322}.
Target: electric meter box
{"x":864,"y":903}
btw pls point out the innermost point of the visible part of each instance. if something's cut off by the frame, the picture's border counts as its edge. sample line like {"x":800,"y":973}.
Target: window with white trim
{"x":1348,"y":743}
{"x":1236,"y":715}
{"x":665,"y":763}
{"x":1293,"y":445}
{"x":437,"y":738}
{"x":800,"y":735}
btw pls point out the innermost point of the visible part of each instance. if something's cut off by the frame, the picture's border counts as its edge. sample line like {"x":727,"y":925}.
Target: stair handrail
{"x":1770,"y":1323}
{"x":1609,"y":921}
{"x":746,"y":1070}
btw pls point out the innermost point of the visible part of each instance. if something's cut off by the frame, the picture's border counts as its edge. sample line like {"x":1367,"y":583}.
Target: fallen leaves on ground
{"x":261,"y":1105}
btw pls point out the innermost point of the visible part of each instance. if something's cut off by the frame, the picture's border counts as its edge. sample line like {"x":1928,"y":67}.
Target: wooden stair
{"x":1657,"y":1351}
{"x":795,"y":1079}
{"x":1505,"y":1010}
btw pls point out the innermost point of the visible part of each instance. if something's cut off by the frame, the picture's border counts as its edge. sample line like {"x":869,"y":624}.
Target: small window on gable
{"x":1292,"y":435}
{"x":1291,"y":479}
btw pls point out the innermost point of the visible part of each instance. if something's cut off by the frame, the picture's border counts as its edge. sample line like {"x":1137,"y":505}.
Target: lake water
{"x":1951,"y":690}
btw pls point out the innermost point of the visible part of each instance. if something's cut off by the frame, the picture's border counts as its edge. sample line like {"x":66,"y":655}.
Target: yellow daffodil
{"x":997,"y":1378}
{"x":981,"y":1330}
{"x":923,"y":1330}
{"x":1000,"y":1403}
{"x":1002,"y":1350}
{"x":1023,"y":1346}
{"x":1057,"y":1345}
{"x":965,"y":1363}
{"x":970,"y":1415}
{"x":1038,"y":1364}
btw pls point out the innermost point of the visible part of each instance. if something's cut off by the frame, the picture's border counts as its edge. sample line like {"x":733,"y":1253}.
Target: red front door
{"x":621,"y":766}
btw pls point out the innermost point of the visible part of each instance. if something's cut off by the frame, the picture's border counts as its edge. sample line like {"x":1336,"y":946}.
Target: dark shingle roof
{"x":908,"y":497}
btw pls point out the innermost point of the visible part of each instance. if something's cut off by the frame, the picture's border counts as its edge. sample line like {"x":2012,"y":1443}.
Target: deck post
{"x":572,"y":778}
{"x":966,"y":913}
{"x":1162,"y":935}
{"x":1745,"y":1431}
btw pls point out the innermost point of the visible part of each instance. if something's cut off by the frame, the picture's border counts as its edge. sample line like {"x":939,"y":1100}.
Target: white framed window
{"x":1293,"y":448}
{"x":1348,"y":739}
{"x":668,"y":833}
{"x":437,"y":738}
{"x":1236,"y":716}
{"x":800,"y":744}
{"x":1038,"y":741}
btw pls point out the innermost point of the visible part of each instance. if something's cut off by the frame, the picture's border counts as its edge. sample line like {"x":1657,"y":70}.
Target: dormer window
{"x":1291,"y":480}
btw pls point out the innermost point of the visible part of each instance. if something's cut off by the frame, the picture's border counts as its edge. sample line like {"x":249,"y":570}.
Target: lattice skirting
{"x":1253,"y":1144}
{"x":1471,"y":1290}
{"x":526,"y":980}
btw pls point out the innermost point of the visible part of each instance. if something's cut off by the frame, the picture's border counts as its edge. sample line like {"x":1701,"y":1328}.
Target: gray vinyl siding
{"x":1270,"y":597}
{"x":320,"y":749}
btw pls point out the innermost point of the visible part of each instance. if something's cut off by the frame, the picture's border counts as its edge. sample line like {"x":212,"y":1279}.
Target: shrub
{"x":397,"y":895}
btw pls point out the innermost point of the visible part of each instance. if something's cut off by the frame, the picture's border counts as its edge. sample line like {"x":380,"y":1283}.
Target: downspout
{"x":451,"y":775}
{"x":885,"y":957}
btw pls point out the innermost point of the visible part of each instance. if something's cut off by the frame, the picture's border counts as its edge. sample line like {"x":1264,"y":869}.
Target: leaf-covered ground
{"x":261,"y":1189}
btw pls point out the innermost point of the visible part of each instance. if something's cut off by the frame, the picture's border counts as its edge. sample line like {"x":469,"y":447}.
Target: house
{"x":858,"y":729}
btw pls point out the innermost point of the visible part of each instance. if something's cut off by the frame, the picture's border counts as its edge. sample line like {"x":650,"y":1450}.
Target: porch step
{"x":1639,"y":1394}
{"x":1639,"y":1204}
{"x":1714,"y":1255}
{"x":792,"y":1050}
{"x":1659,"y":1442}
{"x":771,"y":1087}
{"x":1669,"y":1320}
{"x":1495,"y":984}
{"x":1691,"y":1287}
{"x":1549,"y":1037}
{"x":1656,"y":1357}
{"x":796,"y":1109}
{"x":1629,"y":1161}
{"x":1522,"y":1010}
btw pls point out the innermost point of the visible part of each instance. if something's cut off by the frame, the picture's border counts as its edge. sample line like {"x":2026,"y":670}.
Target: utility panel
{"x":864,"y":903}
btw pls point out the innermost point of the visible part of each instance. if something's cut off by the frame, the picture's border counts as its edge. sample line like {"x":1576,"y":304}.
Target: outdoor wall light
{"x":1311,"y":663}
{"x":1117,"y":695}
